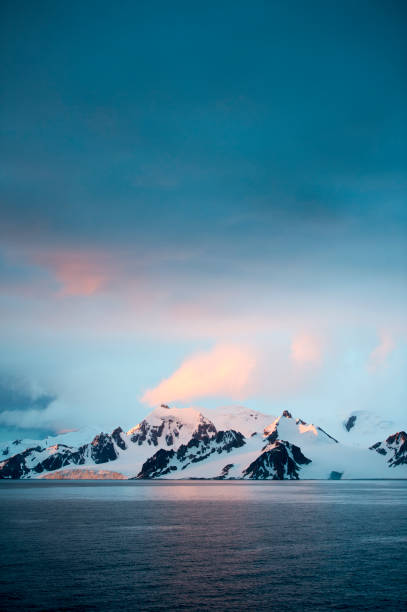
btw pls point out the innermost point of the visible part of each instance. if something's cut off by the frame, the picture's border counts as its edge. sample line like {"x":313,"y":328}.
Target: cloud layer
{"x":224,"y":371}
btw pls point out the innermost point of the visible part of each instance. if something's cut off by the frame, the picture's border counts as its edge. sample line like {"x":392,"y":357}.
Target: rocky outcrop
{"x":16,"y":466}
{"x":183,"y":443}
{"x":350,"y":422}
{"x":37,"y":460}
{"x":168,"y":430}
{"x":278,"y":461}
{"x":394,"y":448}
{"x":118,"y":435}
{"x":84,"y":474}
{"x":163,"y":462}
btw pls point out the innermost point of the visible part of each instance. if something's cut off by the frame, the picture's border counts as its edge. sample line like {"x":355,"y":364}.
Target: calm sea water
{"x":151,"y":546}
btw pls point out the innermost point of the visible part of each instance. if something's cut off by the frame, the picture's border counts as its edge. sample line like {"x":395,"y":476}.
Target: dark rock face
{"x":327,"y":434}
{"x":287,"y":414}
{"x":281,"y":461}
{"x":378,"y":448}
{"x":272,"y":437}
{"x":225,"y":472}
{"x":116,"y":435}
{"x":100,"y":450}
{"x":170,"y":428}
{"x":204,"y":430}
{"x":395,"y":446}
{"x":157,"y":465}
{"x":148,"y":432}
{"x":15,"y":466}
{"x":350,"y":422}
{"x":165,"y":461}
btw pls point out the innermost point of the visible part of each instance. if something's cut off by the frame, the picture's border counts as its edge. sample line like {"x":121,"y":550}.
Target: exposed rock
{"x":102,"y":448}
{"x":37,"y":460}
{"x":395,"y":446}
{"x":327,"y":434}
{"x":117,"y":437}
{"x":225,"y":472}
{"x":279,"y":461}
{"x":84,"y":474}
{"x":165,"y":461}
{"x":350,"y":422}
{"x":15,"y":466}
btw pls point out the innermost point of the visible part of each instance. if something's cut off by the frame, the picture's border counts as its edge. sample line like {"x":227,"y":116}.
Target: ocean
{"x":203,"y":545}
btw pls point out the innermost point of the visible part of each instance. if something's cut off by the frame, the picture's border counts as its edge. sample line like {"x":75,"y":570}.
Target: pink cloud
{"x":223,"y":371}
{"x":378,"y":356}
{"x":79,"y":272}
{"x":306,"y":349}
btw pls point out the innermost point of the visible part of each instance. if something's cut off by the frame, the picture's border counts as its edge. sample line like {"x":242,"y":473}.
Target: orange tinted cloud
{"x":223,"y":371}
{"x":306,"y":349}
{"x":79,"y":272}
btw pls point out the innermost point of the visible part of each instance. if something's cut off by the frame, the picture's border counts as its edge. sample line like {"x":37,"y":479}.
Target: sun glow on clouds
{"x":223,"y":371}
{"x":80,"y":273}
{"x":306,"y":349}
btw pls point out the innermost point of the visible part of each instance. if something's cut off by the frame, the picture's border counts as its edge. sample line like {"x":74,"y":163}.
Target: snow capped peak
{"x":234,"y":442}
{"x":171,"y":427}
{"x":394,"y":447}
{"x":285,"y":427}
{"x":70,"y":438}
{"x":240,"y":419}
{"x":363,"y":428}
{"x":189,"y":417}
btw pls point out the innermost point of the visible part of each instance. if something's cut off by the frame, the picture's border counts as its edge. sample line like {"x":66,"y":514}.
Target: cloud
{"x":380,"y":353}
{"x":79,"y":272}
{"x":223,"y":371}
{"x":17,"y":395}
{"x":306,"y":349}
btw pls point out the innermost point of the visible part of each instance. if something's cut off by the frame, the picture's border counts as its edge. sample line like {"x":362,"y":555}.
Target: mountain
{"x":164,"y":428}
{"x":232,"y":443}
{"x":394,"y":448}
{"x":71,"y":438}
{"x":240,"y":419}
{"x":363,"y":428}
{"x":171,"y":427}
{"x":165,"y":462}
{"x":278,"y":461}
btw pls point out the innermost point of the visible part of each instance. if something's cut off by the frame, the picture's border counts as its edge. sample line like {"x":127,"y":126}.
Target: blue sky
{"x":198,"y":188}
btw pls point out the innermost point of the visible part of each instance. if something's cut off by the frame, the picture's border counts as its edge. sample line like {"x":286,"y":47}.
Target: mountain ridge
{"x":184,"y":443}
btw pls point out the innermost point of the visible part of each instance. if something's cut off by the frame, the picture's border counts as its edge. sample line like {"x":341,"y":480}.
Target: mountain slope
{"x":163,"y":428}
{"x":394,"y":448}
{"x":164,"y":462}
{"x":362,"y":428}
{"x":278,"y":461}
{"x":184,"y":443}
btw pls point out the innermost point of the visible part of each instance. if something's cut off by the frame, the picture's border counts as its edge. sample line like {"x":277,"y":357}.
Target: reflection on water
{"x":228,"y":546}
{"x":343,"y":492}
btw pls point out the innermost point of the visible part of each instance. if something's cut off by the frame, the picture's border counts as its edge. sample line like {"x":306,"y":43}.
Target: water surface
{"x":309,"y":545}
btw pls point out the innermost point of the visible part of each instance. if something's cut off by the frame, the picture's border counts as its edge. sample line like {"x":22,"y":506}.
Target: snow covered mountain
{"x":394,"y":448}
{"x":71,"y":438}
{"x":240,"y":419}
{"x":363,"y":428}
{"x":232,"y":443}
{"x":171,"y":427}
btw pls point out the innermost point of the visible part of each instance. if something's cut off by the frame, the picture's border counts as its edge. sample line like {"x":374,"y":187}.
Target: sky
{"x":202,"y":204}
